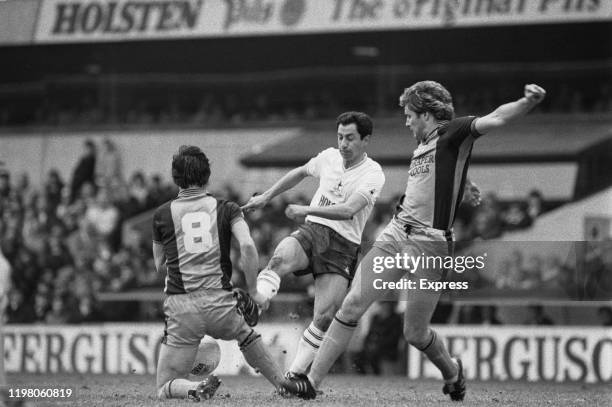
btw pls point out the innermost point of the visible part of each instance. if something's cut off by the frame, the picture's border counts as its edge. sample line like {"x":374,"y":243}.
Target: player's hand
{"x":296,"y":213}
{"x":256,"y":202}
{"x":472,"y":194}
{"x":534,"y":93}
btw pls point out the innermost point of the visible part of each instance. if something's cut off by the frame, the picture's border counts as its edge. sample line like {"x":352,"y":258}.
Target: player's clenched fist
{"x":472,"y":194}
{"x":534,"y":93}
{"x":296,"y":213}
{"x":256,"y":202}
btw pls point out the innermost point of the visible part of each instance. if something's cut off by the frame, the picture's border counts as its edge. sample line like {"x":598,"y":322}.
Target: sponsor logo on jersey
{"x":325,"y":201}
{"x":421,"y":165}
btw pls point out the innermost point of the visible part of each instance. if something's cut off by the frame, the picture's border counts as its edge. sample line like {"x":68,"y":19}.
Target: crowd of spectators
{"x":579,"y":270}
{"x":64,"y":239}
{"x":65,"y":243}
{"x":237,"y":106}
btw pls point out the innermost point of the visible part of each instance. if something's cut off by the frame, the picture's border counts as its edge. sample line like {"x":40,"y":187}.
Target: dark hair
{"x":190,"y":167}
{"x":429,"y":96}
{"x":362,"y":121}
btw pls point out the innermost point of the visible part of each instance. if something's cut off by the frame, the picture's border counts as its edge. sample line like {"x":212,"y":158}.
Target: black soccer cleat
{"x":246,"y":307}
{"x":300,"y":386}
{"x":206,"y":389}
{"x":289,"y":375}
{"x":456,"y":390}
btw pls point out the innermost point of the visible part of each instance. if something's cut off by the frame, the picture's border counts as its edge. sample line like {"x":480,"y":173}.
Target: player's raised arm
{"x":159,"y":257}
{"x":510,"y":111}
{"x":343,"y":211}
{"x":288,"y":181}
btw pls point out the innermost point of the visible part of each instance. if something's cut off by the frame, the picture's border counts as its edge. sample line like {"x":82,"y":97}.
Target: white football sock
{"x":176,"y":389}
{"x":268,"y":283}
{"x":307,"y":349}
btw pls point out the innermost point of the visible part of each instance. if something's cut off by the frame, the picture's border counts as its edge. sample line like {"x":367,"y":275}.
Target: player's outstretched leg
{"x":173,"y":367}
{"x":362,"y":294}
{"x":330,"y":290}
{"x":419,"y":309}
{"x":258,"y":357}
{"x":289,"y":256}
{"x":338,"y":335}
{"x":334,"y":343}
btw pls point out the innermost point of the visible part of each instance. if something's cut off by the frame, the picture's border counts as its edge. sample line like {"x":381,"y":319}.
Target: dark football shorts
{"x":328,"y":251}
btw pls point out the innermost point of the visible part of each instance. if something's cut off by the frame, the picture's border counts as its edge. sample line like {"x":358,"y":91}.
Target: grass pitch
{"x":340,"y":390}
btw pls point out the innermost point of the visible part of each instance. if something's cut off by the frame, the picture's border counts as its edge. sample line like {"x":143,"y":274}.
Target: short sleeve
{"x":157,"y":233}
{"x":314,"y":165}
{"x":460,"y":128}
{"x":233,"y":213}
{"x":371,"y":185}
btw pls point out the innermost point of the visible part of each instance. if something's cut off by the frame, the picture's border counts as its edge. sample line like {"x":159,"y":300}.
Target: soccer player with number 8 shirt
{"x":191,"y":244}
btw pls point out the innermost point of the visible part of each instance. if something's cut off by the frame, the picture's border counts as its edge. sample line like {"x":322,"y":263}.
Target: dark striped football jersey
{"x":195,"y":230}
{"x":437,"y":174}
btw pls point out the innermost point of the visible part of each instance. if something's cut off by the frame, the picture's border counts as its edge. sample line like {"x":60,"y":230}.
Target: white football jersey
{"x":337,"y":184}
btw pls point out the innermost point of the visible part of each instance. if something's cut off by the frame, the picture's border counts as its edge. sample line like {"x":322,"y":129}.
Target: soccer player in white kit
{"x":423,"y":226}
{"x":328,"y":243}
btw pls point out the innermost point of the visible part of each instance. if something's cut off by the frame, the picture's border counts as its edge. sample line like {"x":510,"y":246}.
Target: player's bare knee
{"x":288,"y":257}
{"x":416,"y":336}
{"x":275,"y":262}
{"x":279,"y":264}
{"x":351,"y":309}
